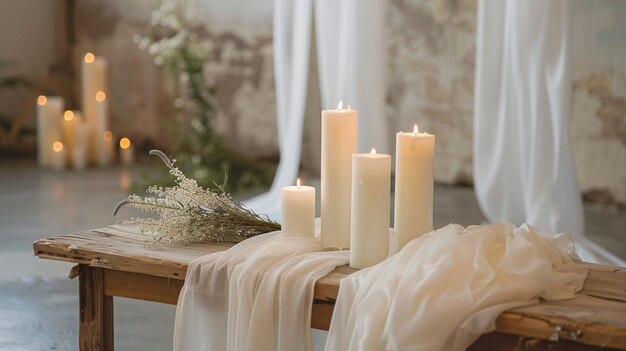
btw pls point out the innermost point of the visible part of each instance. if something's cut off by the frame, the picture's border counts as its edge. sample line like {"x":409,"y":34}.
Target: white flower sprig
{"x":189,"y":213}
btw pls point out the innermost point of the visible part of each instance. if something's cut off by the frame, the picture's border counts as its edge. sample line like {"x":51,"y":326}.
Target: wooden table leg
{"x":96,"y":311}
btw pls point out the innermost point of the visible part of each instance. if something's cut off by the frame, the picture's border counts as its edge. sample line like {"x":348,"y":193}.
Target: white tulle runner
{"x":438,"y":293}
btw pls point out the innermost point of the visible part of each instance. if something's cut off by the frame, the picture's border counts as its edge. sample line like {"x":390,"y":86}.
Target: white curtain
{"x":351,"y":59}
{"x":291,"y":44}
{"x":523,"y":167}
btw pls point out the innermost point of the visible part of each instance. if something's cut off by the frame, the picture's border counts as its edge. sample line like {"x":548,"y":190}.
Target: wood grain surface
{"x":596,"y":317}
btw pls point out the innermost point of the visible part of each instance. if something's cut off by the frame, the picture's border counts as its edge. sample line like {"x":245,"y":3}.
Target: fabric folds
{"x":255,"y":296}
{"x":444,"y":289}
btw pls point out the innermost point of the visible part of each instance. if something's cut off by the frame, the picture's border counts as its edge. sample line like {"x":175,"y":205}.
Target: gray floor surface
{"x":39,"y":305}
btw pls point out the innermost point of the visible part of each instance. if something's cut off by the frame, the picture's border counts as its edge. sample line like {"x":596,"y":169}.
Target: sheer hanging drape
{"x":351,"y":59}
{"x":523,"y":167}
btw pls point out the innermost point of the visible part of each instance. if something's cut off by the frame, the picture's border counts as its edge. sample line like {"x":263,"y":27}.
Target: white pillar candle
{"x":49,"y":115}
{"x":127,"y":155}
{"x":371,"y":186}
{"x":69,"y":133}
{"x":80,"y":152}
{"x":107,"y":153}
{"x":58,"y":156}
{"x":339,"y":142}
{"x":298,"y":211}
{"x":94,"y":81}
{"x":413,"y":212}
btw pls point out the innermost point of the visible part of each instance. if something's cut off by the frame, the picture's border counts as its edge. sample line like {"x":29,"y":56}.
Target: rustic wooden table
{"x":117,"y":261}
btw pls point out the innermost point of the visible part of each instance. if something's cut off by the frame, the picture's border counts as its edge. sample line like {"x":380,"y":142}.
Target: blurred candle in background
{"x":81,"y":147}
{"x":371,"y":209}
{"x":94,"y":82}
{"x":413,"y":210}
{"x":69,"y":133}
{"x":58,"y":156}
{"x":127,"y":156}
{"x":49,"y":115}
{"x":107,"y":155}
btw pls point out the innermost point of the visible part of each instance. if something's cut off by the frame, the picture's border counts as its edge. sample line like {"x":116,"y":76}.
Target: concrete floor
{"x":39,"y":305}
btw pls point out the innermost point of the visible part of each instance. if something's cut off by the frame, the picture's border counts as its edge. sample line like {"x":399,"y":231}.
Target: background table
{"x":119,"y":261}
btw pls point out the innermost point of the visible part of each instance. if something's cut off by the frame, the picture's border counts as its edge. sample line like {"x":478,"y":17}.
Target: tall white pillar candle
{"x":93,"y":81}
{"x":127,"y":154}
{"x":371,"y":186}
{"x":339,"y":142}
{"x":49,"y":115}
{"x":58,"y":156}
{"x":413,"y":211}
{"x":298,"y":211}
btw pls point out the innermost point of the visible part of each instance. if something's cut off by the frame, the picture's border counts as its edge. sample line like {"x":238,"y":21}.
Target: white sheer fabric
{"x":351,"y":54}
{"x":444,"y":289}
{"x":255,"y":296}
{"x":291,"y":45}
{"x":523,"y":167}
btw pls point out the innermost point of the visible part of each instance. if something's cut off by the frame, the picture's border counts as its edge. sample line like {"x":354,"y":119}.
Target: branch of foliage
{"x":189,"y":213}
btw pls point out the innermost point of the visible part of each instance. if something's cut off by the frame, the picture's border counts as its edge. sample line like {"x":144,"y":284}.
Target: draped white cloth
{"x":351,"y":58}
{"x":523,"y":166}
{"x":444,"y":289}
{"x":255,"y":296}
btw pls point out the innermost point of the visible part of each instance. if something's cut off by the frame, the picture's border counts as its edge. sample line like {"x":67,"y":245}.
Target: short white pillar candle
{"x":69,"y":133}
{"x":371,"y":186}
{"x":413,"y":211}
{"x":127,"y":154}
{"x":107,"y":152}
{"x":58,"y":156}
{"x":298,"y":211}
{"x":80,"y":153}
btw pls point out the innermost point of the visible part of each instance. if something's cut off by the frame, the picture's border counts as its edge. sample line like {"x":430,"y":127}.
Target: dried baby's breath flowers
{"x":189,"y":213}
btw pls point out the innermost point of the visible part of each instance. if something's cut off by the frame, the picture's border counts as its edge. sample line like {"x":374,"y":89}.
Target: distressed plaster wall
{"x":431,"y":67}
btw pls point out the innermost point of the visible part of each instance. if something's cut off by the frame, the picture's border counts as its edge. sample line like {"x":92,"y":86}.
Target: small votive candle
{"x":127,"y":156}
{"x":298,"y":211}
{"x":58,"y":156}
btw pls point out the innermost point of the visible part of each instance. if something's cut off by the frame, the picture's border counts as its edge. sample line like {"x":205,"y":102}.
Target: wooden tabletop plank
{"x":597,"y":316}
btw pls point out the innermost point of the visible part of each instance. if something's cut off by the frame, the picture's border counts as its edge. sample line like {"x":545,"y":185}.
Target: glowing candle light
{"x":69,"y":133}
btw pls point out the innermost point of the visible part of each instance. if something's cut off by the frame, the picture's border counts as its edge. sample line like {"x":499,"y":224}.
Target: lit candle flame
{"x":415,"y":130}
{"x":373,"y":152}
{"x":100,"y":96}
{"x":124,"y":143}
{"x":107,"y":135}
{"x":89,"y":57}
{"x":298,"y":183}
{"x":41,"y":100}
{"x":57,"y":146}
{"x":68,"y":115}
{"x":340,"y":106}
